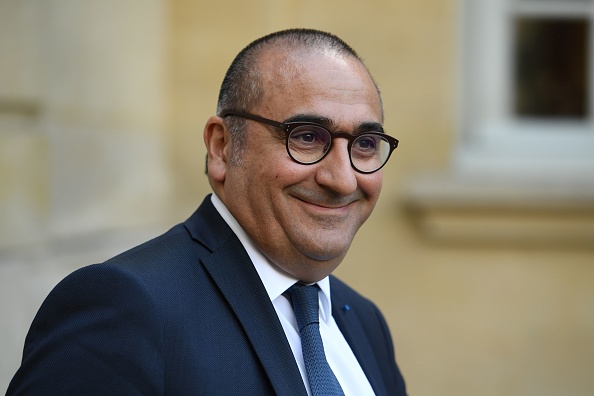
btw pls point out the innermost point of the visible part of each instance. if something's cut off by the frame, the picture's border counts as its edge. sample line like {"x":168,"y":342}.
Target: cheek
{"x":287,"y":172}
{"x":371,"y":185}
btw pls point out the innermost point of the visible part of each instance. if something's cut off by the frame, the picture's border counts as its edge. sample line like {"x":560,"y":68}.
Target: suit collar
{"x":232,"y":271}
{"x":350,"y":326}
{"x":275,"y":280}
{"x":207,"y":227}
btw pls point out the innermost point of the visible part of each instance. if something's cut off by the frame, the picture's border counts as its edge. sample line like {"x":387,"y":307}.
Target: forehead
{"x":325,"y":83}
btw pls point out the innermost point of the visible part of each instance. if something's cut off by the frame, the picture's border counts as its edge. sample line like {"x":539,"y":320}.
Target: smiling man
{"x":239,"y":299}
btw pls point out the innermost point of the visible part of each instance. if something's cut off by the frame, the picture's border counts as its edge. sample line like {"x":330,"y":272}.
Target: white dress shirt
{"x":338,"y":352}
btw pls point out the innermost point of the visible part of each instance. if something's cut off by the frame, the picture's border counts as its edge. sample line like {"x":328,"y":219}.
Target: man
{"x":215,"y":306}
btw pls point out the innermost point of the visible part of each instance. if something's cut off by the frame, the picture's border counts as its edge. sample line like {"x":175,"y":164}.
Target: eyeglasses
{"x":308,"y":143}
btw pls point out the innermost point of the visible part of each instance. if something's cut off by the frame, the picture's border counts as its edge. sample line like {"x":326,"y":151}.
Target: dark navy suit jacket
{"x":183,"y":314}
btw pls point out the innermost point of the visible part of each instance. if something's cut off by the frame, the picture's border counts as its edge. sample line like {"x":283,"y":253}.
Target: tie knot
{"x":304,"y":299}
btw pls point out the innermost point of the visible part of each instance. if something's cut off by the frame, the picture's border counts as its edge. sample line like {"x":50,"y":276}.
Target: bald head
{"x":244,"y":85}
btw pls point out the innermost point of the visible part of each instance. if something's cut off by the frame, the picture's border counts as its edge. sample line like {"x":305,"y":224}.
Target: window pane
{"x":551,"y":67}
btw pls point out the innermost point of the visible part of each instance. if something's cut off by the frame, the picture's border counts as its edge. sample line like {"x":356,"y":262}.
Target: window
{"x":550,"y":67}
{"x":527,"y":99}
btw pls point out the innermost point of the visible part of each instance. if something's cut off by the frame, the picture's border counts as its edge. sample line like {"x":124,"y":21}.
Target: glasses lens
{"x":369,"y":152}
{"x":308,"y":143}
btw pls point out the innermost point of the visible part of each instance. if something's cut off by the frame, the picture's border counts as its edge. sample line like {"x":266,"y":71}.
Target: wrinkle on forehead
{"x":294,"y":69}
{"x":287,"y":65}
{"x":293,"y":77}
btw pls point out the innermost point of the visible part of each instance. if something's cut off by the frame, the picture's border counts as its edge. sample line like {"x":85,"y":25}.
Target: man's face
{"x":304,"y":217}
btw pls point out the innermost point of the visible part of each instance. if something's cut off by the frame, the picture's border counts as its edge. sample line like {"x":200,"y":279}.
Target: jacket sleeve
{"x":97,"y":333}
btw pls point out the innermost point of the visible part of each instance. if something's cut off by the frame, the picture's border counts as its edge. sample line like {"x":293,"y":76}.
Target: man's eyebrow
{"x":369,"y":127}
{"x":331,"y":125}
{"x":316,"y":119}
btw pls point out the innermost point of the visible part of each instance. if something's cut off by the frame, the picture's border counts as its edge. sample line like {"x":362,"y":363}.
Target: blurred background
{"x":481,"y":250}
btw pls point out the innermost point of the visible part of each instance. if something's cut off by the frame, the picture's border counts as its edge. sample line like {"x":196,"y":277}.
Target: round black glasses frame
{"x":288,"y":127}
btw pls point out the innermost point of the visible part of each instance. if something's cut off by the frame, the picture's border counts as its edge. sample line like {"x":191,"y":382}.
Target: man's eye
{"x":306,"y":137}
{"x":309,"y":136}
{"x":366,"y":143}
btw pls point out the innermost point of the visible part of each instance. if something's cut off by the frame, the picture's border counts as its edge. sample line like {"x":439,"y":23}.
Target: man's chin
{"x":327,"y":253}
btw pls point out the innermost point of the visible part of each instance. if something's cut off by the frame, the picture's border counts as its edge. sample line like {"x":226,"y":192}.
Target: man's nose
{"x":335,"y":171}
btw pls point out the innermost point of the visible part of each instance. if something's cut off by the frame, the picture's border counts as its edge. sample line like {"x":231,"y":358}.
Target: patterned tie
{"x":319,"y":374}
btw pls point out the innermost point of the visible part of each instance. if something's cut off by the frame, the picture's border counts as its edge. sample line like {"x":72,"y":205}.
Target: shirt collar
{"x":275,"y":281}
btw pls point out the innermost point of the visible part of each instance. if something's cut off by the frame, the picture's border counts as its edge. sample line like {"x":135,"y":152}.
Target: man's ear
{"x":216,"y":139}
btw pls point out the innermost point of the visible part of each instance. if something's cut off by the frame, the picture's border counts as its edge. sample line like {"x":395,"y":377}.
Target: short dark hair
{"x":242,"y":86}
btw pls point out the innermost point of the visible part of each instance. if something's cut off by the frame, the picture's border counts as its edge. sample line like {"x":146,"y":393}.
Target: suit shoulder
{"x":172,"y":250}
{"x":94,"y":329}
{"x":170,"y":240}
{"x":162,"y":265}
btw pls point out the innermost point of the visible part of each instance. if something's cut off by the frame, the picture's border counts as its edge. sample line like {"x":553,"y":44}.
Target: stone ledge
{"x":457,"y":209}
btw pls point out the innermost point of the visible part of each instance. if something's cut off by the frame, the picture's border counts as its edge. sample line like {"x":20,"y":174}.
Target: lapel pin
{"x":346,"y":308}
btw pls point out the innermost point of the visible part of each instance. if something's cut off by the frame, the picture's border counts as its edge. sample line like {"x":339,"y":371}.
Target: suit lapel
{"x":233,"y":273}
{"x":350,"y":326}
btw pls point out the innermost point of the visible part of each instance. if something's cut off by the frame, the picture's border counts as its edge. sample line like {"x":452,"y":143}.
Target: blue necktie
{"x":319,"y":374}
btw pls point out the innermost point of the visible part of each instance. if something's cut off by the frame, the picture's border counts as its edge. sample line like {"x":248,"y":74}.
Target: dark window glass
{"x":551,"y":67}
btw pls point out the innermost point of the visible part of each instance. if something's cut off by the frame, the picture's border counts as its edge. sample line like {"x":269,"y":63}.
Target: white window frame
{"x":492,"y":140}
